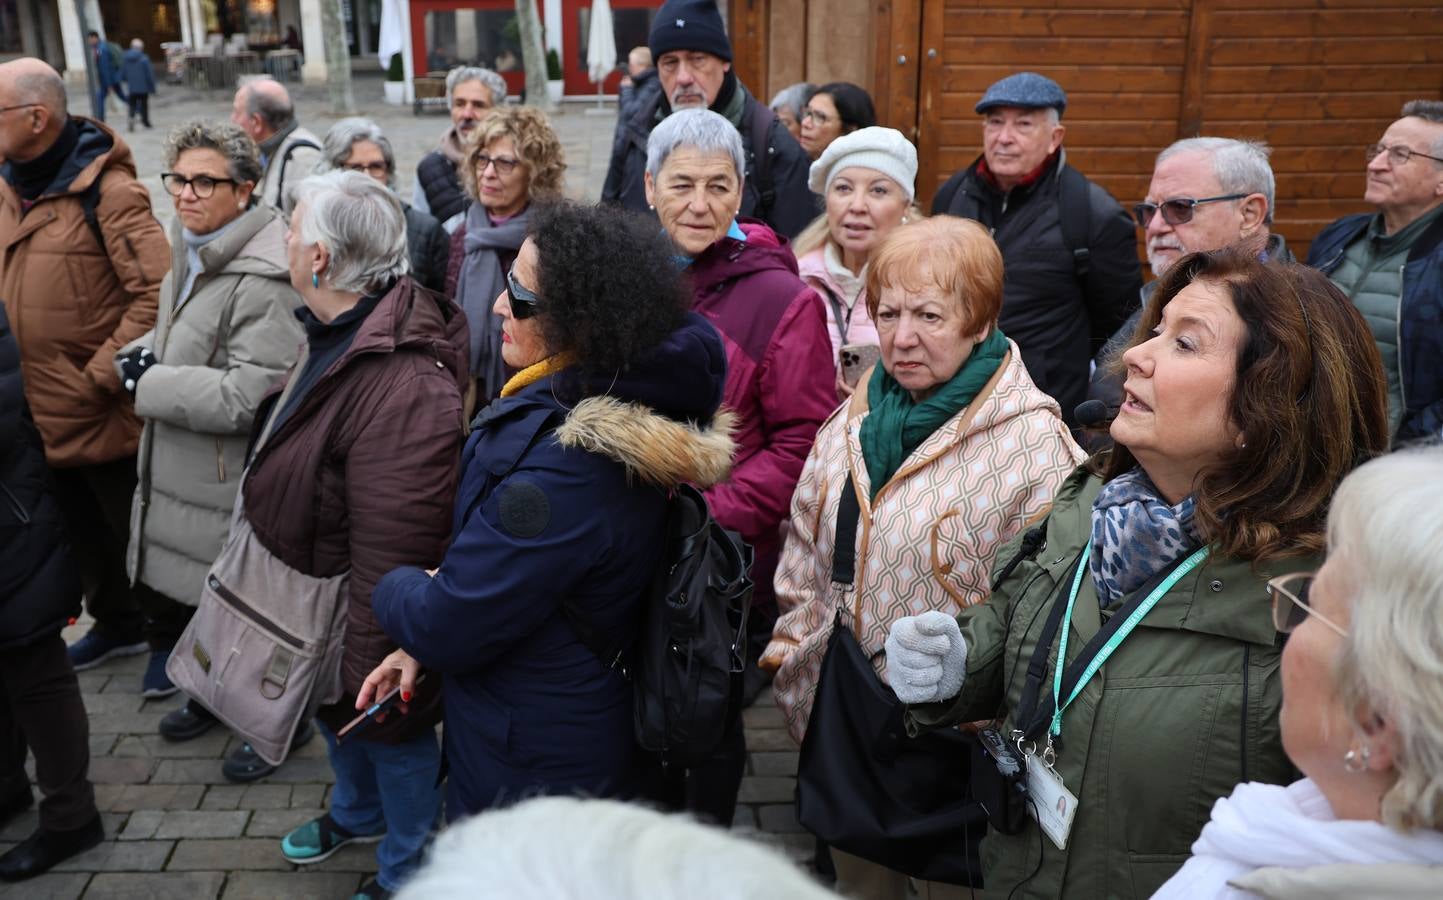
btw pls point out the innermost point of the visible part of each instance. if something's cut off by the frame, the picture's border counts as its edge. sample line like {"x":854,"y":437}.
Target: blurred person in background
{"x":471,"y":92}
{"x":788,"y":105}
{"x":831,"y":111}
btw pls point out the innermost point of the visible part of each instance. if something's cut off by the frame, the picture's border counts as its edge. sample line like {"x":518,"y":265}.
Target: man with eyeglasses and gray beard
{"x":1390,"y":264}
{"x":1206,"y":193}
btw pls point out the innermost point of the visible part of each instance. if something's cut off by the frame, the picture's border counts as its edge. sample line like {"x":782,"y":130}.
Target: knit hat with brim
{"x":689,"y":25}
{"x":882,"y":149}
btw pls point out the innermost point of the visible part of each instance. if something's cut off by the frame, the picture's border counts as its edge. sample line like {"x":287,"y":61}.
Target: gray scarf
{"x":481,"y":282}
{"x":193,"y":242}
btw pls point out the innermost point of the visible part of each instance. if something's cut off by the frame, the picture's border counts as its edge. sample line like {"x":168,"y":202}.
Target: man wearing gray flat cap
{"x":1072,"y":271}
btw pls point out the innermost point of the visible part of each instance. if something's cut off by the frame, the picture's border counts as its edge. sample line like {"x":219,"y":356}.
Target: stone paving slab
{"x":174,"y":827}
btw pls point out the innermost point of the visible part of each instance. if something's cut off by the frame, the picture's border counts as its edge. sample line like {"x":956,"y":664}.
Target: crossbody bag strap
{"x":844,"y":322}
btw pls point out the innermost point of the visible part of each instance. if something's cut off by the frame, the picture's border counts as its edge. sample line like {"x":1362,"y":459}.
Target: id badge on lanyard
{"x":1050,"y":803}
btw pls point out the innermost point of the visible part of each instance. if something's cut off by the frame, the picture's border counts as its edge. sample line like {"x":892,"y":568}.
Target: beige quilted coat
{"x":928,"y":540}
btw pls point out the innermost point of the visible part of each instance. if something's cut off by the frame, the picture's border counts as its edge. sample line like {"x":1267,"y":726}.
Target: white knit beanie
{"x":883,"y":149}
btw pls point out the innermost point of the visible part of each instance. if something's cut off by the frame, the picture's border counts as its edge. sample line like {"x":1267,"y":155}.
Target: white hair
{"x":493,"y":83}
{"x":793,"y":98}
{"x":1241,"y":167}
{"x":1382,"y":530}
{"x":336,"y":148}
{"x":361,"y":223}
{"x":565,"y":848}
{"x":700,"y":129}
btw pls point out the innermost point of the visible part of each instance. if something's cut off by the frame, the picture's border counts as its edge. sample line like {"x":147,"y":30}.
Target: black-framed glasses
{"x":375,"y":169}
{"x":1178,"y":210}
{"x":503,"y":165}
{"x":202,"y":185}
{"x":1398,"y":155}
{"x":6,"y":109}
{"x":523,"y":300}
{"x":1289,"y":594}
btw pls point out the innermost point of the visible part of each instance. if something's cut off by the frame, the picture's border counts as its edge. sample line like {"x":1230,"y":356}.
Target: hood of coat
{"x":97,"y":148}
{"x":729,"y":259}
{"x":661,"y":417}
{"x":410,"y":316}
{"x":255,"y":244}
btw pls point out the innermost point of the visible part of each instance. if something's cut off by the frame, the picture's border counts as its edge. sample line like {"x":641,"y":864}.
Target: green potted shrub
{"x":396,"y":81}
{"x":553,"y":75}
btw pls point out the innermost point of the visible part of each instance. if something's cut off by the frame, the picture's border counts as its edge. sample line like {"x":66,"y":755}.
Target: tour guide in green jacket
{"x":1213,"y":452}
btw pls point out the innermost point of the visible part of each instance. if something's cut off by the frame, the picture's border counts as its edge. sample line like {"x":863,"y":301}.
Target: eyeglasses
{"x":1398,"y":155}
{"x":820,"y":118}
{"x":1290,"y":605}
{"x":1177,"y":211}
{"x":6,"y":109}
{"x":375,"y":169}
{"x":523,"y":300}
{"x":202,"y":185}
{"x":503,"y":165}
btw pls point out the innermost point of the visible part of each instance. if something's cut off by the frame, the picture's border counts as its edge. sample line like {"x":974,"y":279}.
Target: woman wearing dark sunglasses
{"x":1251,"y":390}
{"x":1362,"y":714}
{"x":561,"y":507}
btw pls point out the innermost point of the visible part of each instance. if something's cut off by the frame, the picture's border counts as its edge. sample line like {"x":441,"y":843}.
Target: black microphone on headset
{"x":1092,"y":413}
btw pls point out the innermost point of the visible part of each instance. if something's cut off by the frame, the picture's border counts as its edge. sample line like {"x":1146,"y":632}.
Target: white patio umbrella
{"x":600,"y":46}
{"x":393,"y":31}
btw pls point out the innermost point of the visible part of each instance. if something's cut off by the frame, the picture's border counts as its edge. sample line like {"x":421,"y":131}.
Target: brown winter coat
{"x":73,"y":303}
{"x":362,"y":475}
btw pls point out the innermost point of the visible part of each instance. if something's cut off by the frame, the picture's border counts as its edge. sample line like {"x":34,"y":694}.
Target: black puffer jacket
{"x":429,"y":247}
{"x":39,"y":588}
{"x":1058,"y":320}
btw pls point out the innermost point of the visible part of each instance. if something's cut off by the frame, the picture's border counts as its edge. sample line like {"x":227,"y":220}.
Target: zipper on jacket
{"x":251,"y":613}
{"x":1398,"y":339}
{"x":16,"y":505}
{"x":219,"y":460}
{"x":1247,"y":664}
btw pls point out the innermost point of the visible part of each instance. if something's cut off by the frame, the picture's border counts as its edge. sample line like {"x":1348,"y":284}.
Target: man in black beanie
{"x":694,"y":65}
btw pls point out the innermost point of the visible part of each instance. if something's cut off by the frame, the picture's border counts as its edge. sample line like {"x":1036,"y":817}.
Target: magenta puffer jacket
{"x":780,"y":382}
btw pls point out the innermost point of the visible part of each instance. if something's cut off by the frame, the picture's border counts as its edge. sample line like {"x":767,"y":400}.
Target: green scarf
{"x":895,"y":425}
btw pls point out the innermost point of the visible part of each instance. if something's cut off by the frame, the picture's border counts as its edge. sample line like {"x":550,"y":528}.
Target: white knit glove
{"x":926,"y":657}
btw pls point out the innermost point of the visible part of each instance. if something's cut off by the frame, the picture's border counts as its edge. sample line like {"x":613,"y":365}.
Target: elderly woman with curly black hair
{"x":513,"y":159}
{"x":562,"y":506}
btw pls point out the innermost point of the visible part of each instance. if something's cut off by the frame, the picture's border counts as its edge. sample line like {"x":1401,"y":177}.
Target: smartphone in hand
{"x":856,"y":359}
{"x":380,"y":707}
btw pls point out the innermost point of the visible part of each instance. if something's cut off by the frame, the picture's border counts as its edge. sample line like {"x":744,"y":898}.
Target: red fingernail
{"x":73,"y":620}
{"x":406,"y":696}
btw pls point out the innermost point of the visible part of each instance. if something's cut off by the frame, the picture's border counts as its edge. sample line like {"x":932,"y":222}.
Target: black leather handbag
{"x":863,"y":785}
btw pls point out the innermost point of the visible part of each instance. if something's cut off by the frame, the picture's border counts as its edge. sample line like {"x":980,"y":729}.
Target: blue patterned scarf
{"x":1135,"y":535}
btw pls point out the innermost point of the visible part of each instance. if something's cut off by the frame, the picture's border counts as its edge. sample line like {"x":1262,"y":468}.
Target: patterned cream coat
{"x":928,"y":540}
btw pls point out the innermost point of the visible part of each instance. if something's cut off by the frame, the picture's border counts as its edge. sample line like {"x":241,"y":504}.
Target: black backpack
{"x":685,"y":662}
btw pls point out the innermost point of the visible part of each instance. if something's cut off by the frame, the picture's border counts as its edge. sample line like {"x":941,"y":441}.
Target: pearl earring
{"x":1356,"y":761}
{"x":315,"y":279}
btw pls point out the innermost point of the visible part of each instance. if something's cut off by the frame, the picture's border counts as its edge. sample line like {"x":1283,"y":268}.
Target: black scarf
{"x":31,"y":178}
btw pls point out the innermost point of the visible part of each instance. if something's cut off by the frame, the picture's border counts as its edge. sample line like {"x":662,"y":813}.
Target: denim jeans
{"x":391,"y":788}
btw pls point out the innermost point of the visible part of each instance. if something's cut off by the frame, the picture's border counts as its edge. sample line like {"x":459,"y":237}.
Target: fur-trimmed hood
{"x":655,"y":449}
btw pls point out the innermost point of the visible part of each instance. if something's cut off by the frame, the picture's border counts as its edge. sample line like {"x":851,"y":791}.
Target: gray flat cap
{"x":1026,"y":90}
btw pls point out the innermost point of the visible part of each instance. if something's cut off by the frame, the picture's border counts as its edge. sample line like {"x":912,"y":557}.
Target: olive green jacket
{"x":1186,"y":708}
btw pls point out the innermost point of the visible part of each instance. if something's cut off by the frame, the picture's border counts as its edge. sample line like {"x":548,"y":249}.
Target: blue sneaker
{"x":318,"y":839}
{"x":95,"y":648}
{"x":156,"y":684}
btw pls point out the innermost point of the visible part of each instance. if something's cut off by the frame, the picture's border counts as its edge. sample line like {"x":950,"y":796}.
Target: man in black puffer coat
{"x":40,"y":705}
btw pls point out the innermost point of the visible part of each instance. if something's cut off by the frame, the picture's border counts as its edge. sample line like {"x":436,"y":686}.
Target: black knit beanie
{"x":689,"y":25}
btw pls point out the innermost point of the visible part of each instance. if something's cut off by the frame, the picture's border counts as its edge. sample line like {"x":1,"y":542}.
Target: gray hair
{"x":1428,"y":111}
{"x":336,"y":148}
{"x":1392,"y":658}
{"x":274,"y":107}
{"x":137,"y":44}
{"x":792,"y":98}
{"x":700,"y":129}
{"x":1241,"y":167}
{"x":243,"y":158}
{"x":489,"y":79}
{"x":603,"y":850}
{"x":361,"y":223}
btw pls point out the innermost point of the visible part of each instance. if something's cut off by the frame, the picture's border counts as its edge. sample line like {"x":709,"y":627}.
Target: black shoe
{"x":190,"y":721}
{"x":46,"y":849}
{"x":245,"y":765}
{"x":16,"y":803}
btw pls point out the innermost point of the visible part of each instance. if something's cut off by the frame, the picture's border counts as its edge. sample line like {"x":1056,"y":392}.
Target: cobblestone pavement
{"x":174,"y":827}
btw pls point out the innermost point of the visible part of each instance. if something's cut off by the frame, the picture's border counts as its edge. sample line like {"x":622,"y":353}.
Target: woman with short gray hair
{"x":225,"y":331}
{"x":359,"y":145}
{"x":789,"y":103}
{"x":1362,"y":713}
{"x":355,"y":472}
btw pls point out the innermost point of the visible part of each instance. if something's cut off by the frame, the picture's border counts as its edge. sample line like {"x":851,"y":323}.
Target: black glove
{"x":133,"y":365}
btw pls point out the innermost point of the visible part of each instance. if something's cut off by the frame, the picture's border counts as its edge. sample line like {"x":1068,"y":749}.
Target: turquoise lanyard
{"x":1143,"y":608}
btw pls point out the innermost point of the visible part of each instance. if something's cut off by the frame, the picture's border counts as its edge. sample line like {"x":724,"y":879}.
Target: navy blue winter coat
{"x":561,"y":502}
{"x":39,"y":587}
{"x":137,"y":72}
{"x":1420,"y":319}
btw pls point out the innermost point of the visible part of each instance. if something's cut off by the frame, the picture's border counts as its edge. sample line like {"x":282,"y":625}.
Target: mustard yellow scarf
{"x":534,"y":373}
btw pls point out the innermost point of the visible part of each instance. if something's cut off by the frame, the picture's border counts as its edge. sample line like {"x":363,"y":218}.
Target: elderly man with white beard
{"x":1207,"y":193}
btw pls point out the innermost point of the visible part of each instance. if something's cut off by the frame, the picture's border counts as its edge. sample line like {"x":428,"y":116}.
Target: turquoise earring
{"x":315,"y":279}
